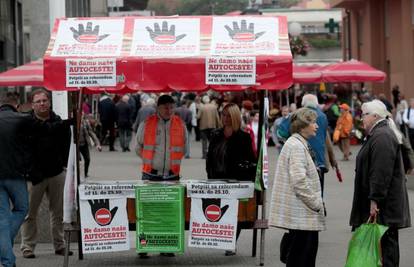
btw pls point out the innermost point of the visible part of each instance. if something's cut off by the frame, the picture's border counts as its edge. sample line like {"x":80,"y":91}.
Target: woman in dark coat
{"x":230,"y":153}
{"x":380,"y":184}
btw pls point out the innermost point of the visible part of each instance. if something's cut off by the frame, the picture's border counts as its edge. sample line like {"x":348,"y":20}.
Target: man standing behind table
{"x":161,"y":144}
{"x":50,"y":159}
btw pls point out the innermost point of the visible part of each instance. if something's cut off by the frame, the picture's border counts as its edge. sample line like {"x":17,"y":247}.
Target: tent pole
{"x":78,"y":111}
{"x":262,"y":122}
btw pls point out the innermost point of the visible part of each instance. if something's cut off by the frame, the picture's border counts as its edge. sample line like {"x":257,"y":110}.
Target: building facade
{"x":381,"y":33}
{"x":11,"y":34}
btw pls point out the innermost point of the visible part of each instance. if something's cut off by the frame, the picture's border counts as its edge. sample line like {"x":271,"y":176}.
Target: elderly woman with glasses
{"x":230,"y":153}
{"x":380,"y":189}
{"x":296,"y":202}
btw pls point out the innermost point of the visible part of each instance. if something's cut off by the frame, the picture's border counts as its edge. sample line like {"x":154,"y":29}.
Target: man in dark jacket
{"x":50,"y":159}
{"x":185,"y":114}
{"x":107,"y":116}
{"x":124,"y":110}
{"x":14,"y":132}
{"x":380,"y":185}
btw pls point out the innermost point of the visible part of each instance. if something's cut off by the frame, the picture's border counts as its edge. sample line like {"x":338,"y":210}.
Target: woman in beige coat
{"x":296,"y":202}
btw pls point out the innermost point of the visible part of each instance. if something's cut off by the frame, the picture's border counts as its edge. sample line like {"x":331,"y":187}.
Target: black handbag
{"x":285,"y":246}
{"x":246,"y":171}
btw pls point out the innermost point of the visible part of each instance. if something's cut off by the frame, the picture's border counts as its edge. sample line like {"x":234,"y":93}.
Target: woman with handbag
{"x":230,"y":153}
{"x":296,"y":203}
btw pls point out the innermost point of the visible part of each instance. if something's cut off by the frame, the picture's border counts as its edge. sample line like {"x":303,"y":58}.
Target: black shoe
{"x":61,"y":252}
{"x":112,"y":149}
{"x":229,"y":253}
{"x":167,"y":254}
{"x":143,"y":255}
{"x":28,"y":254}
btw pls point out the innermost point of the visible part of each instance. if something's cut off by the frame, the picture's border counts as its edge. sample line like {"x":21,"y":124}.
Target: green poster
{"x":160,"y":218}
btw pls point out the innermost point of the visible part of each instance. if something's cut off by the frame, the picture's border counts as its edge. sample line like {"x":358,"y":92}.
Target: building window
{"x":412,"y":12}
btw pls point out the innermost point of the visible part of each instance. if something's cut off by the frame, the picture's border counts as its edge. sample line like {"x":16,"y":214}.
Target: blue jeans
{"x":12,"y":191}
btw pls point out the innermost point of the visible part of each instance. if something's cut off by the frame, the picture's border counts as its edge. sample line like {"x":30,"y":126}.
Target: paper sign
{"x":166,"y":37}
{"x":213,"y":223}
{"x":89,"y":37}
{"x":104,"y":225}
{"x":245,"y":36}
{"x":98,"y":191}
{"x":198,"y":189}
{"x":231,"y":70}
{"x":160,"y":218}
{"x":98,"y":72}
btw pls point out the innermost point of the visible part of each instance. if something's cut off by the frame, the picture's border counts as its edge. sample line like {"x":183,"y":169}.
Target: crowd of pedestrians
{"x":163,"y":125}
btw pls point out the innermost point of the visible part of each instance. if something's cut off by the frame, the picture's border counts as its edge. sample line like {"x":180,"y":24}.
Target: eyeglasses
{"x":41,"y":101}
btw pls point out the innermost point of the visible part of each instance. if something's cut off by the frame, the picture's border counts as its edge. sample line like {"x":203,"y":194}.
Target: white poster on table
{"x":220,"y":189}
{"x":166,"y":37}
{"x":104,"y":225}
{"x":231,"y":70}
{"x":97,"y":72}
{"x":245,"y":36}
{"x":89,"y":37}
{"x":213,"y":223}
{"x":106,"y":190}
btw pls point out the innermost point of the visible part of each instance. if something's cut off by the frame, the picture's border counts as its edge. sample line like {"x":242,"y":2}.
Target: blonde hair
{"x":301,"y":119}
{"x":235,"y":115}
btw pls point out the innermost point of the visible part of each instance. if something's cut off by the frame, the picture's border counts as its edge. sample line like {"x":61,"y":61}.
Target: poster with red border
{"x":83,"y":72}
{"x":231,"y":70}
{"x":104,"y":225}
{"x":89,"y":38}
{"x":166,"y":37}
{"x":213,"y":223}
{"x":245,"y":36}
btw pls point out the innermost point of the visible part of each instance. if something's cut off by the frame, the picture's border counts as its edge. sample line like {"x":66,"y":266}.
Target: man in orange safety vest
{"x":161,"y":142}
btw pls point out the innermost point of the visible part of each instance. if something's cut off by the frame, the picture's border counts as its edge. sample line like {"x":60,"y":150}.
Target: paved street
{"x":333,"y":242}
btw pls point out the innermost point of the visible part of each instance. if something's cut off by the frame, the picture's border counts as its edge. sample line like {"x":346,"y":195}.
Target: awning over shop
{"x":352,"y":71}
{"x":27,"y":74}
{"x":169,"y":53}
{"x":307,"y":73}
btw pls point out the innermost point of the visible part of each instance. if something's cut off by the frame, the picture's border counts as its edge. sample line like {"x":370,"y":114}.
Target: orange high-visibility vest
{"x":176,"y":146}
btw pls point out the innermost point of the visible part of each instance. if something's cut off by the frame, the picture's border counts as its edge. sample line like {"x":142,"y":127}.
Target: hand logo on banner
{"x":142,"y":239}
{"x":242,"y":33}
{"x":100,"y":211}
{"x":87,"y":36}
{"x":164,"y":36}
{"x":212,"y":210}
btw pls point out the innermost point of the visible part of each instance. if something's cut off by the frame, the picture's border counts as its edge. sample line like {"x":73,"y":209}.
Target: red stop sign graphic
{"x":103,"y":216}
{"x":212,"y":213}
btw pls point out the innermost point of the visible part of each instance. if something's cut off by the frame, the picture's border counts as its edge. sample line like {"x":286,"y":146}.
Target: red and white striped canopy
{"x":352,"y":71}
{"x":307,"y":73}
{"x":27,"y":74}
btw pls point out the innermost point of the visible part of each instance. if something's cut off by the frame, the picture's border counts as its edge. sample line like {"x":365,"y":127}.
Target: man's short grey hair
{"x":206,"y":99}
{"x":310,"y":101}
